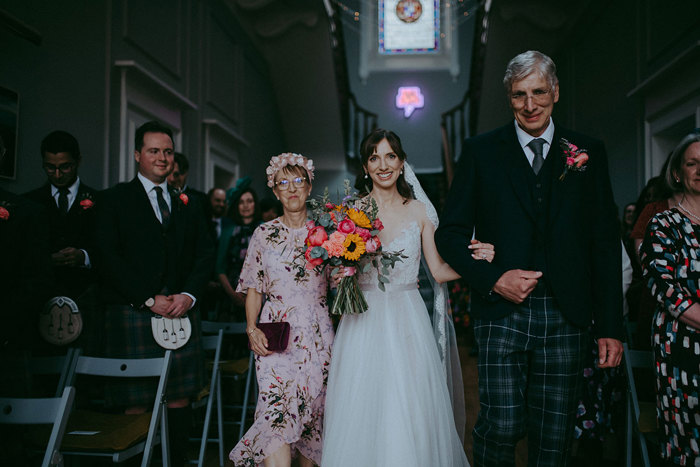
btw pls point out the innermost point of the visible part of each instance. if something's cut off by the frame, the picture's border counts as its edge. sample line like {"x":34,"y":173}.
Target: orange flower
{"x":359,"y":218}
{"x":354,"y":247}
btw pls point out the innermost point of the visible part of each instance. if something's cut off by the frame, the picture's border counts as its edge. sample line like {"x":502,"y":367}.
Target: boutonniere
{"x":575,"y":158}
{"x":86,"y":202}
{"x":183,"y":199}
{"x":4,"y":211}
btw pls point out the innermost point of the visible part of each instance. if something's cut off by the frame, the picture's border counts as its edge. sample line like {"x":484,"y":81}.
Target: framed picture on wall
{"x":9,"y":113}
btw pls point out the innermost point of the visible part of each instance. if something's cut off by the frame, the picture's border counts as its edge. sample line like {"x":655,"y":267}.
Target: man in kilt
{"x":154,"y":257}
{"x":546,"y":204}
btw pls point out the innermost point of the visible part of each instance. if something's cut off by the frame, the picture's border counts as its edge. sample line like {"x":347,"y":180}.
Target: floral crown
{"x":283,"y":160}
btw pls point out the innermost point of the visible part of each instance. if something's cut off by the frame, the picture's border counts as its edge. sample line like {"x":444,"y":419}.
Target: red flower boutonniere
{"x":86,"y":202}
{"x":575,"y":158}
{"x":184,"y":199}
{"x":4,"y":213}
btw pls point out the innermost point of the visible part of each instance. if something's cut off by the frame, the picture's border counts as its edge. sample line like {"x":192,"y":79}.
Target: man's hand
{"x":609,"y":352}
{"x":69,"y":256}
{"x":162,"y":304}
{"x":180,"y":305}
{"x":515,"y":285}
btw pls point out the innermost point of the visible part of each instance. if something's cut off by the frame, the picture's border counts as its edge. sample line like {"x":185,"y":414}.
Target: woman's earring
{"x":678,"y":180}
{"x":366,"y":176}
{"x":401,"y":171}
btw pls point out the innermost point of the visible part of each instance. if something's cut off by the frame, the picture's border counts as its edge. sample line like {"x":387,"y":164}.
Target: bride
{"x":395,"y":393}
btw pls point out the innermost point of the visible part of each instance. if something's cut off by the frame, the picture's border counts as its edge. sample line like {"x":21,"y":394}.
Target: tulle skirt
{"x":387,"y":402}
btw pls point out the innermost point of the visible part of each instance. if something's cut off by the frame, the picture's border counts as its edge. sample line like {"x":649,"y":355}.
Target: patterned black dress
{"x":670,"y":256}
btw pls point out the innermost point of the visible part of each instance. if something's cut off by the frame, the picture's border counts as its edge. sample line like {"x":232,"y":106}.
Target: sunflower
{"x":359,"y":218}
{"x":354,"y":247}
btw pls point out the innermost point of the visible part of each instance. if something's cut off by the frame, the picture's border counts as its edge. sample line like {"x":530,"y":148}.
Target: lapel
{"x":518,"y":168}
{"x":556,"y":194}
{"x":48,"y":200}
{"x":142,"y":210}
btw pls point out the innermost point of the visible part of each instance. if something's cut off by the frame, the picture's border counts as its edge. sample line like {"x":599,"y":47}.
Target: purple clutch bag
{"x":277,"y":335}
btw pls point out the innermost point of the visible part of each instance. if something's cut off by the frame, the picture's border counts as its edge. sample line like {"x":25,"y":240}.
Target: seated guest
{"x":70,"y":220}
{"x":243,"y":211}
{"x":669,"y":255}
{"x":155,"y":258}
{"x":270,"y":208}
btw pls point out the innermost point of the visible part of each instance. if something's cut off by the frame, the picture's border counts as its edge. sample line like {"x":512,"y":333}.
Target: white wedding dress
{"x":387,"y":402}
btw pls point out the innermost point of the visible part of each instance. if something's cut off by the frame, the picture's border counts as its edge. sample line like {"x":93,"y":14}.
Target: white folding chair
{"x":210,"y":397}
{"x":637,"y":412}
{"x":121,"y":436}
{"x":60,"y":365}
{"x":36,"y":411}
{"x":242,"y":369}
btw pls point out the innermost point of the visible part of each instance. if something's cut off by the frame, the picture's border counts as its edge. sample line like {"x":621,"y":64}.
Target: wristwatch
{"x":150,"y":301}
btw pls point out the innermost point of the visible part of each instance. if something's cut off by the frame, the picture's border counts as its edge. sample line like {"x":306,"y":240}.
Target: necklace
{"x":687,"y":211}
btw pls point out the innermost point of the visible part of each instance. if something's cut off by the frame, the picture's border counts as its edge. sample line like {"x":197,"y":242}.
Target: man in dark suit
{"x":178,"y":179}
{"x":155,"y":258}
{"x":70,"y":207}
{"x":556,"y":268}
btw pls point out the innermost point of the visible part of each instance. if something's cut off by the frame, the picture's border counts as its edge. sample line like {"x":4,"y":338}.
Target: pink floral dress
{"x":292,"y":384}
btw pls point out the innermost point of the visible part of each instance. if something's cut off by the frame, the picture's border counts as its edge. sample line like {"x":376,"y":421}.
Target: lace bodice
{"x":406,"y":271}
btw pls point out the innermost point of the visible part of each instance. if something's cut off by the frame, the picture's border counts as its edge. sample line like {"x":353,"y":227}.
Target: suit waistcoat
{"x":540,"y":187}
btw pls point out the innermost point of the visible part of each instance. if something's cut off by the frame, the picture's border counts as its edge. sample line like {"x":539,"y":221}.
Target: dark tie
{"x":163,"y":206}
{"x":536,"y":145}
{"x":63,"y":200}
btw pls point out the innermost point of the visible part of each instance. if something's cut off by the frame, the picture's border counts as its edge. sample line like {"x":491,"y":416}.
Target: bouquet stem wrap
{"x":349,"y":299}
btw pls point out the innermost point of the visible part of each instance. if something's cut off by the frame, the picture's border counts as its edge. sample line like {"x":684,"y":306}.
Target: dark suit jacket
{"x":76,"y":229}
{"x":25,"y":270}
{"x":131,"y":247}
{"x":490,"y":193}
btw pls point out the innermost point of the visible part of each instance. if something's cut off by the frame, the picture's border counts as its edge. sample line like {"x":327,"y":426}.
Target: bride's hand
{"x":482,"y":250}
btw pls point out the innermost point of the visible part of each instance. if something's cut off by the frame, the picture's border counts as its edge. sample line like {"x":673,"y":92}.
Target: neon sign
{"x":409,"y":98}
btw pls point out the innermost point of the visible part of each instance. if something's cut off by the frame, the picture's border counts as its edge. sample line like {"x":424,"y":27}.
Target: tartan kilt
{"x":127,"y":334}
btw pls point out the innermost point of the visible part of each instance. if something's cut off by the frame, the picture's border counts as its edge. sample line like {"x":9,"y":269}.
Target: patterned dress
{"x":671,"y":258}
{"x":292,"y":384}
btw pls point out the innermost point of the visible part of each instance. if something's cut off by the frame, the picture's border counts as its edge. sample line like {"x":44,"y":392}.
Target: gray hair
{"x":523,"y":65}
{"x":675,"y":160}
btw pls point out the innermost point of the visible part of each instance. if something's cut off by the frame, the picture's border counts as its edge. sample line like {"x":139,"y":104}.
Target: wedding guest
{"x":154,"y":258}
{"x":269,"y":209}
{"x":70,"y":221}
{"x":550,"y":222}
{"x":668,"y":253}
{"x":217,"y":210}
{"x":244,"y":219}
{"x":289,"y":413}
{"x":178,"y":179}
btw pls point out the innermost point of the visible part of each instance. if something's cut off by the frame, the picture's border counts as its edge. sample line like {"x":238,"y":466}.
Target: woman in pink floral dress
{"x":292,"y":384}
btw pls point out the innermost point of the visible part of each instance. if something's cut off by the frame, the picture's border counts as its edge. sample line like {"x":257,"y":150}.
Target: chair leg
{"x":220,"y":418}
{"x":628,"y":433}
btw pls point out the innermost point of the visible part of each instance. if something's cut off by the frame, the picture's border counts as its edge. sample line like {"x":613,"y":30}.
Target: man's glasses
{"x":539,"y":96}
{"x":283,"y":185}
{"x":64,"y":168}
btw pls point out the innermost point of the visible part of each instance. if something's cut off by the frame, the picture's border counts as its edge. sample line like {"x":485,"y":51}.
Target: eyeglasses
{"x":64,"y":168}
{"x":539,"y":96}
{"x":283,"y":185}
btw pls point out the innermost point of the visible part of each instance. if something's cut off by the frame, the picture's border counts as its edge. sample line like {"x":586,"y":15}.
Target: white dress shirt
{"x":153,"y":198}
{"x":524,"y":138}
{"x":72,"y":195}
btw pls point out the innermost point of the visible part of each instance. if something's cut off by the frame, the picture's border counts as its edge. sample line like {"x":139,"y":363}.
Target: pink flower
{"x":330,"y":206}
{"x":246,"y":442}
{"x":311,"y":262}
{"x":377,"y":224}
{"x":363,"y":233}
{"x":581,"y":159}
{"x":184,"y":199}
{"x":373,"y":244}
{"x":4,"y":213}
{"x":569,"y":160}
{"x":573,"y":147}
{"x":346,"y":226}
{"x":333,"y":248}
{"x":310,"y":225}
{"x":316,"y":236}
{"x":86,"y":204}
{"x":349,"y":271}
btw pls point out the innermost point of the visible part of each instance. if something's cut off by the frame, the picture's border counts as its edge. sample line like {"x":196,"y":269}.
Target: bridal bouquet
{"x":345,"y":237}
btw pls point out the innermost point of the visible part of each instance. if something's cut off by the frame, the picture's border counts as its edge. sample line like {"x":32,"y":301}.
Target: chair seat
{"x":114,"y":432}
{"x":238,"y":367}
{"x":647,"y":417}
